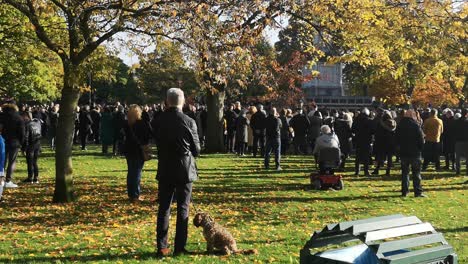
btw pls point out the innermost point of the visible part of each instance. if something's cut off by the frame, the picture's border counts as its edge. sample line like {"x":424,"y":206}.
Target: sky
{"x":131,"y":58}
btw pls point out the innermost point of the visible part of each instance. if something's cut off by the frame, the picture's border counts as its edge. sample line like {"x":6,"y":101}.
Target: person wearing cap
{"x":410,"y":139}
{"x":363,"y":130}
{"x":432,"y":128}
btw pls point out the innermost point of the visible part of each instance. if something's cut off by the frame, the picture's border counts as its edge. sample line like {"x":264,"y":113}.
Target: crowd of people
{"x":377,"y":138}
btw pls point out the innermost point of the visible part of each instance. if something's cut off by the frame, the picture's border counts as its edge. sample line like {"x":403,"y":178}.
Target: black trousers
{"x":83,"y":138}
{"x":11,"y":153}
{"x":258,"y":141}
{"x":284,"y":146}
{"x":381,"y":157}
{"x":363,"y":155}
{"x":431,"y":154}
{"x":415,"y":164}
{"x":230,"y":144}
{"x":166,"y":193}
{"x":31,"y":159}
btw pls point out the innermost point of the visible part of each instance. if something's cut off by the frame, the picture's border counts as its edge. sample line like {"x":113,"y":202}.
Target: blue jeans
{"x":415,"y":164}
{"x":135,"y":166}
{"x":275,"y":146}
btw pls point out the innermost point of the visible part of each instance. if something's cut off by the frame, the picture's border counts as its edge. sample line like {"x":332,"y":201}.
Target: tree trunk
{"x":64,"y":141}
{"x":215,"y":129}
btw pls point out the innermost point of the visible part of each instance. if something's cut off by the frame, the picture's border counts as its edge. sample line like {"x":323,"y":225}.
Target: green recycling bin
{"x":392,"y":239}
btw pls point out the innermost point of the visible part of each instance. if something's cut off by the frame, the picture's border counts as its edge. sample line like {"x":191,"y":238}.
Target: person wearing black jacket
{"x":53,"y":117}
{"x":137,"y":134}
{"x":257,"y":123}
{"x":273,"y":138}
{"x":300,"y":124}
{"x":231,"y":118}
{"x":384,"y":145}
{"x":343,"y":130}
{"x":284,"y":132}
{"x":32,"y":146}
{"x":178,"y":144}
{"x":363,"y":129}
{"x":410,"y":138}
{"x":13,"y":133}
{"x":461,"y":141}
{"x":448,"y":139}
{"x":119,"y":122}
{"x":85,"y":123}
{"x":96,"y":126}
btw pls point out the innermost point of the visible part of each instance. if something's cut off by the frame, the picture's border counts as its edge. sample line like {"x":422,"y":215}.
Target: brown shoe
{"x":135,"y":200}
{"x":163,"y":252}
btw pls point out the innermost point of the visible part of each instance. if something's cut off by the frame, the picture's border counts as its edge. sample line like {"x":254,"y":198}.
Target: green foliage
{"x":28,"y":71}
{"x":410,"y":42}
{"x":271,"y":211}
{"x":163,"y":69}
{"x":120,"y":85}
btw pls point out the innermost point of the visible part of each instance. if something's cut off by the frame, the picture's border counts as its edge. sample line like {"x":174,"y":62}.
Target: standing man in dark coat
{"x":300,"y":124}
{"x":13,"y":133}
{"x":461,"y":141}
{"x":257,"y":123}
{"x":96,"y":126}
{"x":53,"y":116}
{"x":273,"y":138}
{"x":448,"y":139}
{"x":316,"y":123}
{"x":178,"y":145}
{"x":231,"y":118}
{"x":410,"y":139}
{"x":284,"y":132}
{"x":85,"y":126}
{"x":384,"y":146}
{"x":119,"y":122}
{"x":363,"y":129}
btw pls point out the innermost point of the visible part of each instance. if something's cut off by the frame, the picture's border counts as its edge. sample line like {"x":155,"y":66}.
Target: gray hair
{"x":325,"y":129}
{"x":175,"y":97}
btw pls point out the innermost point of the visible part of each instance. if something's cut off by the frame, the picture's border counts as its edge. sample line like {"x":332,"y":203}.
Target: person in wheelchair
{"x":327,"y":150}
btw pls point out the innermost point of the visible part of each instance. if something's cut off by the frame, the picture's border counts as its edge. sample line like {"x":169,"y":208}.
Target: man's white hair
{"x":325,"y":129}
{"x":175,"y":97}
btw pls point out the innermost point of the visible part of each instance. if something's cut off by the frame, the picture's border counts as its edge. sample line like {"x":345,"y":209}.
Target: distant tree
{"x":165,"y":68}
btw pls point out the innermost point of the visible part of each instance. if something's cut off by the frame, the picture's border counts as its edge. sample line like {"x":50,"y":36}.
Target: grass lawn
{"x":270,"y":211}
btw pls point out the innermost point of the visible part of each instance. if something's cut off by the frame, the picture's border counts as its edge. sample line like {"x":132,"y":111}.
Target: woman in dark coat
{"x":385,"y":142}
{"x":107,"y":129}
{"x":242,"y":133}
{"x":137,"y":134}
{"x":343,"y":130}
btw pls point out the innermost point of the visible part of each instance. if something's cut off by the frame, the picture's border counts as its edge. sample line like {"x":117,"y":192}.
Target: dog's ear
{"x":197,"y":220}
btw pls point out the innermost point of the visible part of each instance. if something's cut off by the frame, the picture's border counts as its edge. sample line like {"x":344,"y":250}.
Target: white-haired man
{"x":178,"y":145}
